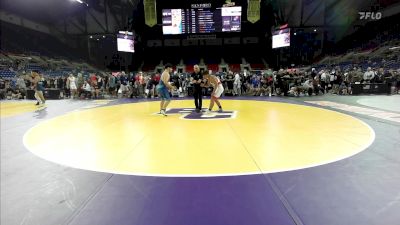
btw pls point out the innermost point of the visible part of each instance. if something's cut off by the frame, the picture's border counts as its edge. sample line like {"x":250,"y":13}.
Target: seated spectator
{"x":297,"y":88}
{"x":87,"y":90}
{"x":97,"y":84}
{"x":368,"y":75}
{"x":343,"y":89}
{"x":308,"y":86}
{"x":388,"y":77}
{"x":9,"y":94}
{"x":255,"y":86}
{"x":358,"y":75}
{"x":396,"y":76}
{"x":266,"y":89}
{"x":378,"y":76}
{"x":317,"y":86}
{"x":17,"y":95}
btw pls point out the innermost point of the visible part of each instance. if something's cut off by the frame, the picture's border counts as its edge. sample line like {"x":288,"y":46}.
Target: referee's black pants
{"x":198,"y":98}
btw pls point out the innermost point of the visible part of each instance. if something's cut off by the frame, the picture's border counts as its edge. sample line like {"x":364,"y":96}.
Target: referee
{"x":196,"y":79}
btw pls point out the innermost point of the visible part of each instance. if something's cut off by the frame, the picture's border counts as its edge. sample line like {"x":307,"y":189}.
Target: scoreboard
{"x":201,"y":20}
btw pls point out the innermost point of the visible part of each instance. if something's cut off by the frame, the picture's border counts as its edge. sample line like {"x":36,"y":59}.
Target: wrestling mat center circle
{"x":249,"y":137}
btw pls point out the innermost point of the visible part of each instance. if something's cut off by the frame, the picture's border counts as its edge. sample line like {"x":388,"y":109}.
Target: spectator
{"x":79,"y":83}
{"x":123,"y":89}
{"x":308,"y":86}
{"x":151,"y":84}
{"x":368,"y":75}
{"x":87,"y":90}
{"x":255,"y":86}
{"x":95,"y":87}
{"x":2,"y":89}
{"x":358,"y":76}
{"x":176,"y":82}
{"x":396,"y":76}
{"x":324,"y":80}
{"x":185,"y":84}
{"x":67,"y":90}
{"x":142,"y":84}
{"x":112,"y":85}
{"x":317,"y":85}
{"x":265,"y":89}
{"x":72,"y":85}
{"x":379,"y":76}
{"x":21,"y":83}
{"x":237,"y":85}
{"x":229,"y":79}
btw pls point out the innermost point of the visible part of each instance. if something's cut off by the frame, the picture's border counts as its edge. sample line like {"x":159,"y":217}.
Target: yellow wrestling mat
{"x":249,"y":138}
{"x":16,"y":108}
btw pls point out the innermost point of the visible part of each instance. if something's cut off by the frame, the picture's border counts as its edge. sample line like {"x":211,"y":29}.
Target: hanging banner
{"x":253,"y":10}
{"x":150,"y":13}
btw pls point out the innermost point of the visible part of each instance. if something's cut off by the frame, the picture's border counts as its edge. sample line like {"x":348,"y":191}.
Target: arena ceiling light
{"x":80,"y":1}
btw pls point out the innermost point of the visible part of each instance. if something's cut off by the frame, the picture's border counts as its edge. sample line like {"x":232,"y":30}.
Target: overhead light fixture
{"x":104,"y":36}
{"x":295,"y":34}
{"x":91,"y":36}
{"x":80,"y":1}
{"x":315,"y":30}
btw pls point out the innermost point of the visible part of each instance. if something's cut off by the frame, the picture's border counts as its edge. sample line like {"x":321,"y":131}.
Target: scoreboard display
{"x":281,"y":38}
{"x":125,"y":41}
{"x":201,"y":20}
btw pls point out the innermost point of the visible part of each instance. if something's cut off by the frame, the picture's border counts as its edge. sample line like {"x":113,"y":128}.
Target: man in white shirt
{"x":368,"y":75}
{"x":236,"y":85}
{"x":308,"y":86}
{"x":324,"y":79}
{"x":87,"y":89}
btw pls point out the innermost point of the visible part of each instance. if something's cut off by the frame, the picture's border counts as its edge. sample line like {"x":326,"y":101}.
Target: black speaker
{"x":30,"y":94}
{"x":52,"y":94}
{"x":373,"y":88}
{"x":48,"y":94}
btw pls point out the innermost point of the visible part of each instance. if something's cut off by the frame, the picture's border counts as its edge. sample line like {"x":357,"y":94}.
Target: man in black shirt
{"x":229,"y":81}
{"x":196,"y":79}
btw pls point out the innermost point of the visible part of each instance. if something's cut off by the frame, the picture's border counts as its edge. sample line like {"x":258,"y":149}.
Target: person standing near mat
{"x":39,"y":88}
{"x":218,"y":89}
{"x":164,"y":87}
{"x":196,"y":80}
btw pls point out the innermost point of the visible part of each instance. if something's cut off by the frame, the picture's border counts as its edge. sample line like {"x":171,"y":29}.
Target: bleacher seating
{"x":34,"y":68}
{"x":213,"y":67}
{"x":7,"y":74}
